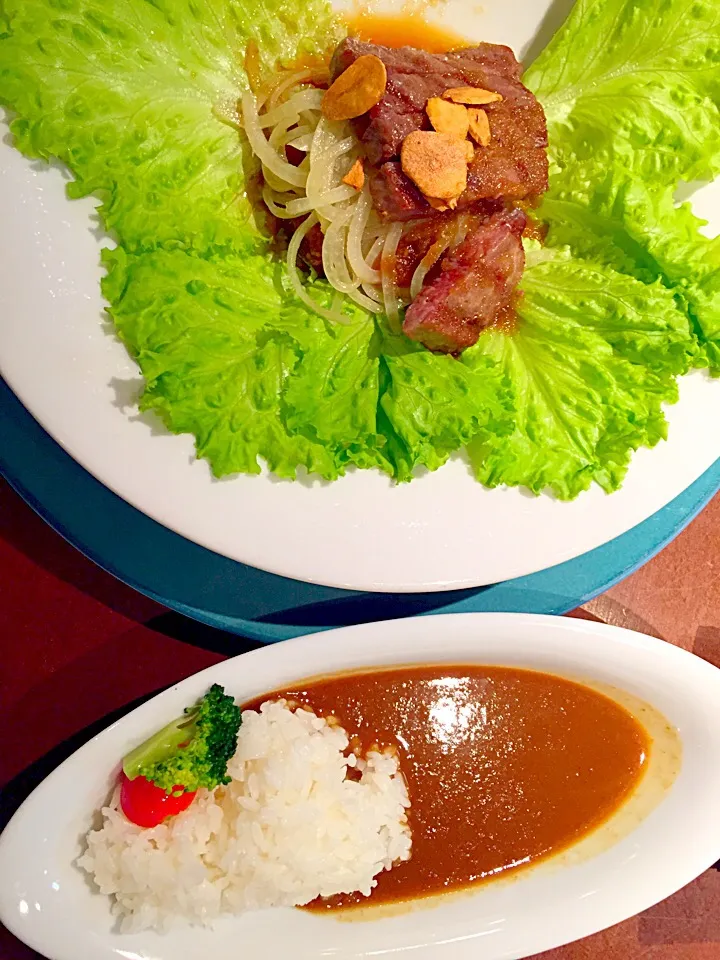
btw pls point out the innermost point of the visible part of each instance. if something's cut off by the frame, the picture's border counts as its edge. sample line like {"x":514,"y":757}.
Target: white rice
{"x":289,"y":827}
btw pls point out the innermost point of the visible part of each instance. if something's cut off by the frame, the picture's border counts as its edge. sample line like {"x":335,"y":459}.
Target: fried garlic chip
{"x":355,"y":177}
{"x":450,"y":118}
{"x":480,"y":126}
{"x":436,"y":163}
{"x":442,"y":205}
{"x":471,"y":95}
{"x":356,"y":90}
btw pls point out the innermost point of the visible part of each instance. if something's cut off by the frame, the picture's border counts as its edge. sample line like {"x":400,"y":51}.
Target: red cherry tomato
{"x":147,"y":805}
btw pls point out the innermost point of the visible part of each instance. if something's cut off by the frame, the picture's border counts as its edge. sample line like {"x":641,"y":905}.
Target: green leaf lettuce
{"x":623,"y":298}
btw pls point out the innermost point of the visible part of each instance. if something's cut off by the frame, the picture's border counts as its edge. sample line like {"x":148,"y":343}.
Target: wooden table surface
{"x":78,"y":645}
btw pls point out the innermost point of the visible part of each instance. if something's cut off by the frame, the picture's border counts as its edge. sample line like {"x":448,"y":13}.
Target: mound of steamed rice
{"x":290,"y":827}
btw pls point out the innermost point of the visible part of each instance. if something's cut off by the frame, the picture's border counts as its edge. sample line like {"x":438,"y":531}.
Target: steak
{"x":395,"y":196}
{"x":415,"y":243}
{"x":311,"y":249}
{"x":476,"y":281}
{"x":514,"y":165}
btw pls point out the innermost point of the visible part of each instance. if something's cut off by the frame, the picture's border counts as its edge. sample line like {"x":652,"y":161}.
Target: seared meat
{"x":311,"y":249}
{"x":310,"y":253}
{"x":412,"y":77}
{"x":414,"y":244}
{"x":417,"y":240}
{"x":475,"y":283}
{"x":514,"y":165}
{"x":395,"y":195}
{"x":471,"y":286}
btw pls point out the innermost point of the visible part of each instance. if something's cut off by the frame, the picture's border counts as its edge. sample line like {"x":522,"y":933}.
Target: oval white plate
{"x":45,"y":901}
{"x":443,"y":531}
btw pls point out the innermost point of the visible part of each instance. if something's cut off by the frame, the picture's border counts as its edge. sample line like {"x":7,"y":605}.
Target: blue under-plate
{"x":226,"y":594}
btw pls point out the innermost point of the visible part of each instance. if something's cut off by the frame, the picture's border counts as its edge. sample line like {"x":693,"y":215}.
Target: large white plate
{"x":442,"y":531}
{"x":46,"y":901}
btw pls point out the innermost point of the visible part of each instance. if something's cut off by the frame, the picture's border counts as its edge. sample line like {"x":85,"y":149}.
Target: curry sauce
{"x":504,"y":766}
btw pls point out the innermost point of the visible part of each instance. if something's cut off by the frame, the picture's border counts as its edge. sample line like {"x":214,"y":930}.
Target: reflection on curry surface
{"x":504,"y":766}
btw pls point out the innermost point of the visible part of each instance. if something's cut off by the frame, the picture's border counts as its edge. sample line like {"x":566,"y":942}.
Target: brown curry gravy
{"x":504,"y":766}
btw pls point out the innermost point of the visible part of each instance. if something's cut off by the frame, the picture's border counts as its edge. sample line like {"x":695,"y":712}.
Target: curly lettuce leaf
{"x":228,"y":356}
{"x":582,"y":404}
{"x":432,"y":405}
{"x":641,"y":321}
{"x":215,"y":360}
{"x":634,"y":85}
{"x":645,"y":234}
{"x":332,"y":398}
{"x":125,"y":93}
{"x":631,"y":91}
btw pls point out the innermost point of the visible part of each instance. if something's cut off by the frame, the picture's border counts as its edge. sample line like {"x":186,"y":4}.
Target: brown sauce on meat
{"x":510,"y":171}
{"x":504,"y":766}
{"x":317,"y":62}
{"x":535,"y":230}
{"x":415,"y":244}
{"x":506,"y":319}
{"x":403,"y":31}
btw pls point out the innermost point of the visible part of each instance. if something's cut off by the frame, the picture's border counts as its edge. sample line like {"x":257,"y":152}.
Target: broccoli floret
{"x":192,"y":751}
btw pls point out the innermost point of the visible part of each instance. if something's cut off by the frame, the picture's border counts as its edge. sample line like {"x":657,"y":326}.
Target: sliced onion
{"x":301,"y":140}
{"x":418,"y":277}
{"x":330,"y":141}
{"x":334,"y":178}
{"x":322,"y":174}
{"x":336,"y":306}
{"x":305,"y":204}
{"x":369,"y":304}
{"x":285,"y":116}
{"x":322,"y":138}
{"x":443,"y":241}
{"x":305,"y":100}
{"x":280,"y":133}
{"x":387,"y":274}
{"x":356,"y":231}
{"x":282,"y":192}
{"x":296,"y":78}
{"x":353,"y":236}
{"x":262,"y":149}
{"x":271,"y":92}
{"x":280,"y":185}
{"x":376,"y":249}
{"x":375,"y":293}
{"x":461,"y":229}
{"x":333,"y":255}
{"x":277,"y":209}
{"x":334,"y":314}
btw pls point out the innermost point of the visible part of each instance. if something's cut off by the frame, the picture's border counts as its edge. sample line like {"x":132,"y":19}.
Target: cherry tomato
{"x":147,"y":805}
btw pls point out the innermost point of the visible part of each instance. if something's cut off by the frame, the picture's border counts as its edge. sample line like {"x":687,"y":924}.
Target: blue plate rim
{"x":276,"y":608}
